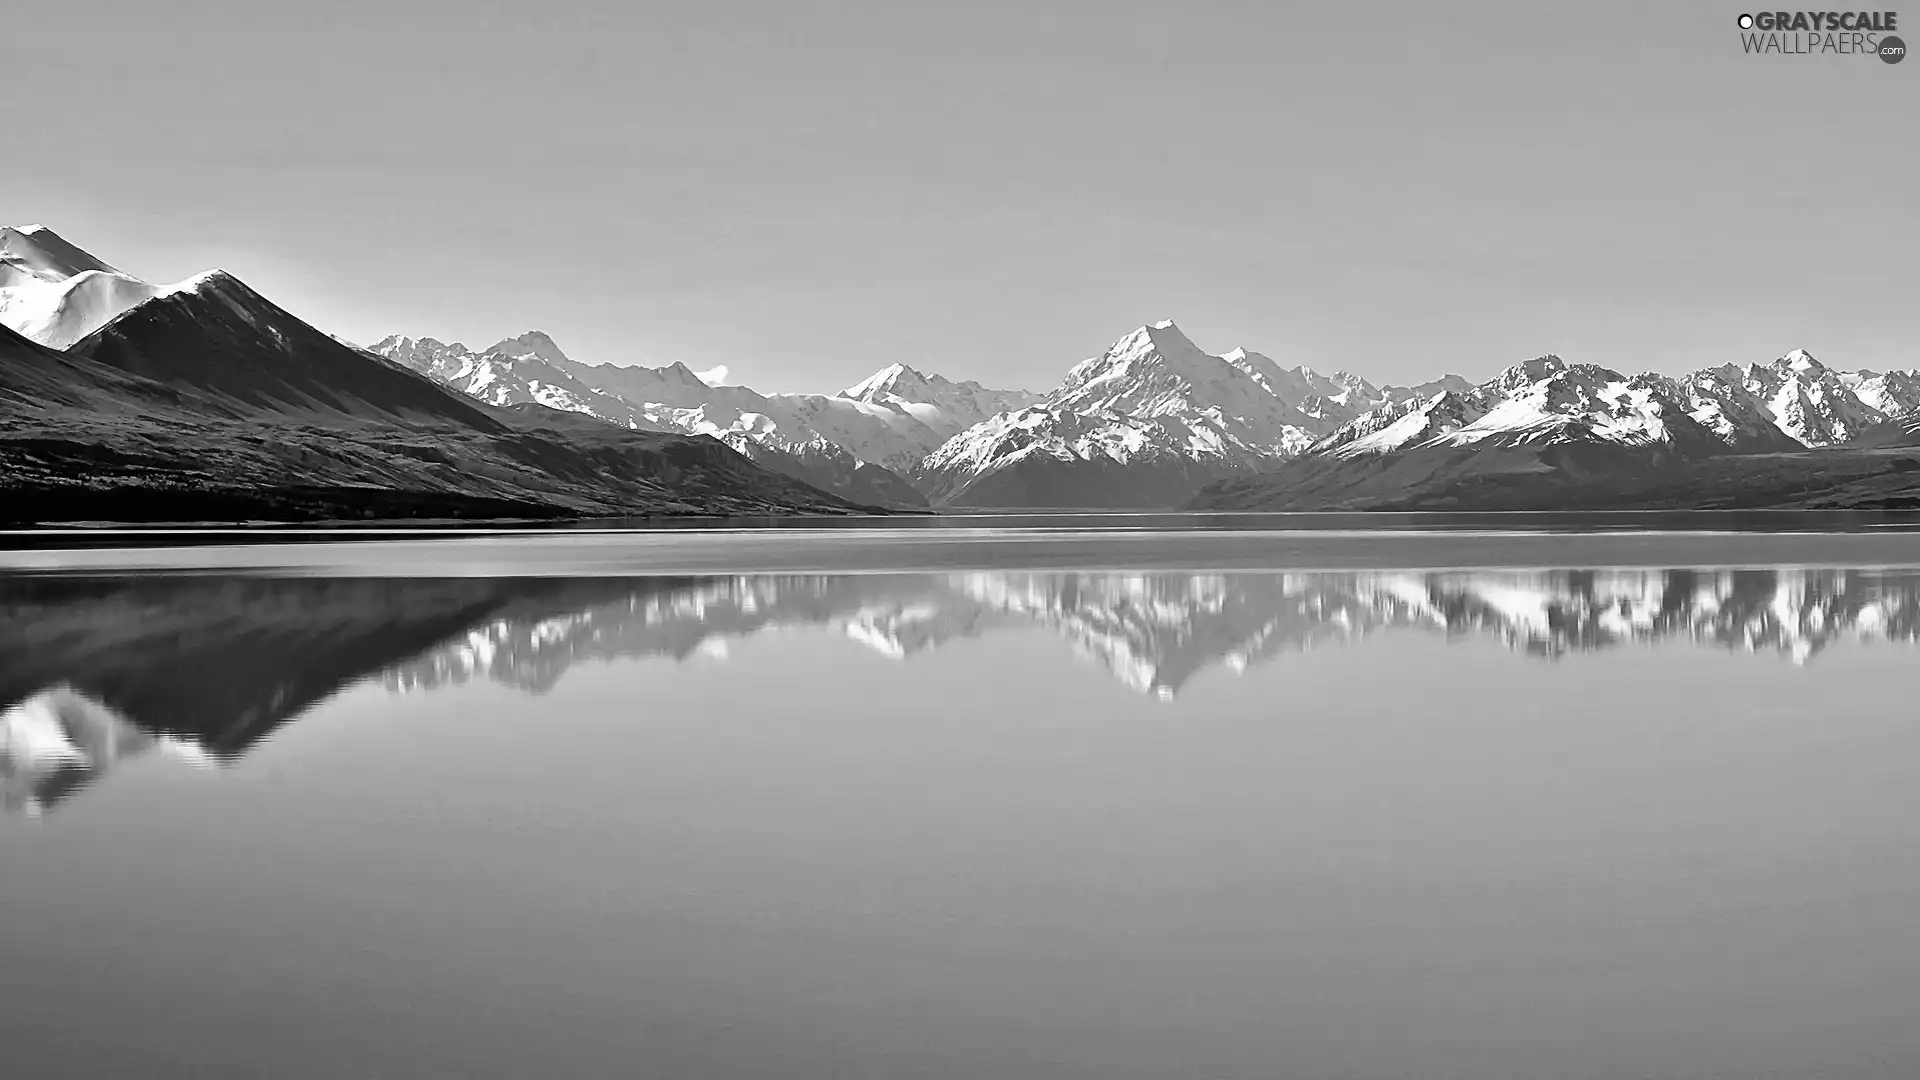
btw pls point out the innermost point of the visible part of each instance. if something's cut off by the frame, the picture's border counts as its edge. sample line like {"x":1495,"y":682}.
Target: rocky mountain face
{"x":206,"y":401}
{"x":1809,"y":402}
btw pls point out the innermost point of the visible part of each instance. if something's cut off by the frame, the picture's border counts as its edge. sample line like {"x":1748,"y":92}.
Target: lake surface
{"x":1292,"y":803}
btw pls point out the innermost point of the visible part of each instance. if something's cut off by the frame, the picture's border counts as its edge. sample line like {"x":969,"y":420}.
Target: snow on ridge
{"x":198,"y":281}
{"x":1794,"y":400}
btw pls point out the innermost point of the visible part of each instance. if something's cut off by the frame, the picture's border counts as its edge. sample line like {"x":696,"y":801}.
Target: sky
{"x":804,"y":192}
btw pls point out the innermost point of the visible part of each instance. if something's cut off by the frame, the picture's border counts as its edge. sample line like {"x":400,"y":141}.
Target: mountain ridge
{"x":872,"y":431}
{"x":206,"y":401}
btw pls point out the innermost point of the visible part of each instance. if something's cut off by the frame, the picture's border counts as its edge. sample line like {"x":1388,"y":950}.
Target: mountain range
{"x":1155,"y":422}
{"x":125,"y":400}
{"x":96,"y":671}
{"x":122,"y":400}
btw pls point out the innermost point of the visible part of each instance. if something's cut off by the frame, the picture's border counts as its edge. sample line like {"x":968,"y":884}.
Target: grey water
{"x":1291,"y":804}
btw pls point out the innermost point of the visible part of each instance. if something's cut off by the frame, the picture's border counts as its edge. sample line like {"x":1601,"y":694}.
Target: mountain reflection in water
{"x":95,"y":671}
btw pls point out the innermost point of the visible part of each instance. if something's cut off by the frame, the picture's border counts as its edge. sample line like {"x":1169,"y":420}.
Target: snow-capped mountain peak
{"x":1152,"y":400}
{"x":1538,"y":370}
{"x":1801,"y":360}
{"x":210,"y":281}
{"x":1153,"y":360}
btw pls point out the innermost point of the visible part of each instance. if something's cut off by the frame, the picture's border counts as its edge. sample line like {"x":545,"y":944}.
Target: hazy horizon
{"x":804,"y":194}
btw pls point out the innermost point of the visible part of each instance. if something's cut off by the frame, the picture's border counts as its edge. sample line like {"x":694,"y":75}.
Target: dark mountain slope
{"x":1578,"y":477}
{"x":33,"y":376}
{"x":216,"y":336}
{"x":1897,"y":432}
{"x":829,"y":467}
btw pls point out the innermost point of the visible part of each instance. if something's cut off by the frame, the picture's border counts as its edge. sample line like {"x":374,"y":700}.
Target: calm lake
{"x":1044,"y":799}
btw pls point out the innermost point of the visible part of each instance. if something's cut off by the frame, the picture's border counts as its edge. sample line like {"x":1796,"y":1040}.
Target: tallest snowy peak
{"x":1156,"y":351}
{"x":1163,"y":337}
